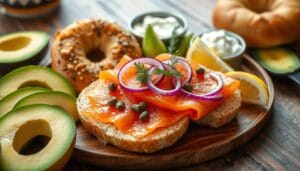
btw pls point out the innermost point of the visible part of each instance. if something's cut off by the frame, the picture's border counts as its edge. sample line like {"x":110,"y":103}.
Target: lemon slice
{"x":253,"y":89}
{"x":199,"y":53}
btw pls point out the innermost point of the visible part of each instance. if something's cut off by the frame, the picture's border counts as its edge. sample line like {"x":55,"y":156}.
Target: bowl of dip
{"x":224,"y":44}
{"x":163,"y":24}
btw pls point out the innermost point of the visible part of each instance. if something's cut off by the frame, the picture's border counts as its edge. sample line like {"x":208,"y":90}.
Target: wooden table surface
{"x":276,"y":147}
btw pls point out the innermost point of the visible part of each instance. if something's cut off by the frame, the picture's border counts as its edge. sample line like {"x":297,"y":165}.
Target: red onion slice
{"x":212,"y":95}
{"x":158,"y":90}
{"x":186,"y":66}
{"x":144,"y":60}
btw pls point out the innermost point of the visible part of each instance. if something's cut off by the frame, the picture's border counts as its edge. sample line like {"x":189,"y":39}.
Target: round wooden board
{"x":199,"y":144}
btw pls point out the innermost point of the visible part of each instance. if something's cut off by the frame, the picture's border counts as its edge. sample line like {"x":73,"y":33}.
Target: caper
{"x":112,"y":101}
{"x":200,"y":70}
{"x":120,"y":105}
{"x":112,"y":86}
{"x":144,"y":116}
{"x":188,"y":87}
{"x":142,"y":106}
{"x":135,"y":107}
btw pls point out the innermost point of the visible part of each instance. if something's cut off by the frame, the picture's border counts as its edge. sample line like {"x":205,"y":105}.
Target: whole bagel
{"x":262,"y":23}
{"x":83,"y":49}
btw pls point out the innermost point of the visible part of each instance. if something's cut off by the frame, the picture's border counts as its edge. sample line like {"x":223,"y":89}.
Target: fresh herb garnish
{"x":174,"y":41}
{"x":172,"y":71}
{"x":142,"y":72}
{"x":169,"y":72}
{"x":174,"y":60}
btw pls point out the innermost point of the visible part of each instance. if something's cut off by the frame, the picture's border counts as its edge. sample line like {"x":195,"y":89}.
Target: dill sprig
{"x":172,"y":71}
{"x":169,"y":72}
{"x":143,"y":75}
{"x":142,"y":72}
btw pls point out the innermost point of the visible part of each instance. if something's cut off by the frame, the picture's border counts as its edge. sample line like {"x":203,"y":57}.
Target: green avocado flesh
{"x":278,"y":60}
{"x":9,"y":101}
{"x":151,"y":44}
{"x":66,"y":101}
{"x":20,"y":46}
{"x":34,"y":76}
{"x":23,"y":125}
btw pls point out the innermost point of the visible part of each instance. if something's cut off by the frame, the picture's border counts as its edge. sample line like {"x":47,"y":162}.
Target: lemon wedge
{"x":199,"y":53}
{"x":253,"y":89}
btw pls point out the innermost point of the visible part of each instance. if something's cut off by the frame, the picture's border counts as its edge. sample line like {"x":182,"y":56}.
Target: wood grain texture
{"x":275,"y":147}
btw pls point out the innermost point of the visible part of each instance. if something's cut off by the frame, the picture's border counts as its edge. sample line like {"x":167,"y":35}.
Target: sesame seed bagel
{"x":83,"y":49}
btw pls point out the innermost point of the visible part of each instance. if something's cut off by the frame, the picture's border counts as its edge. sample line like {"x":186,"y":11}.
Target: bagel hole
{"x":95,"y":55}
{"x":34,"y":83}
{"x":32,"y":137}
{"x":15,"y":43}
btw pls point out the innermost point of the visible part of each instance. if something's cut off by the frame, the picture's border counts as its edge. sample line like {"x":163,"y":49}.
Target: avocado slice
{"x":151,"y":44}
{"x":9,"y":101}
{"x":24,"y":124}
{"x":22,"y":48}
{"x":277,"y":60}
{"x":64,"y":100}
{"x":34,"y":76}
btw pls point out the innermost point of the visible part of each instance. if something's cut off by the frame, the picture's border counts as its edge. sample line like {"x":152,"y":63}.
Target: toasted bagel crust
{"x":224,"y":113}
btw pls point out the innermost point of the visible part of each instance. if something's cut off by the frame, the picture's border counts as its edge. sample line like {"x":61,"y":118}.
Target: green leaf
{"x":174,"y":41}
{"x":184,"y":45}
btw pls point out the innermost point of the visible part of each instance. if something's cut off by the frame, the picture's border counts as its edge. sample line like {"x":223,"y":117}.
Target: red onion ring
{"x":186,"y":66}
{"x":212,"y":95}
{"x":144,"y":60}
{"x":158,"y":90}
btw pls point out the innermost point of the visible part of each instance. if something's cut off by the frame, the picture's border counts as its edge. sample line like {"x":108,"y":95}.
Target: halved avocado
{"x":22,"y":48}
{"x":23,"y":125}
{"x":278,"y":60}
{"x":9,"y":101}
{"x":66,"y":101}
{"x":34,"y":76}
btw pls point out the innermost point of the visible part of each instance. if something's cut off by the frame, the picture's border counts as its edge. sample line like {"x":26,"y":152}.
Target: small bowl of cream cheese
{"x":163,"y":24}
{"x":226,"y":45}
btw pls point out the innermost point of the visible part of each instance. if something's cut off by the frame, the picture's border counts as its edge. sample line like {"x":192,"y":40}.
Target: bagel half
{"x":106,"y":132}
{"x":223,"y":114}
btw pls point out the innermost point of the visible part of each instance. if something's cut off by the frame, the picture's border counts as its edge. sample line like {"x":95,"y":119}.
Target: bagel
{"x":109,"y":133}
{"x":263,"y":23}
{"x":83,"y":49}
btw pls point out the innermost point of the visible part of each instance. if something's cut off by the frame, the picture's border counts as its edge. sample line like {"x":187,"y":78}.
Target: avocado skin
{"x":35,"y":60}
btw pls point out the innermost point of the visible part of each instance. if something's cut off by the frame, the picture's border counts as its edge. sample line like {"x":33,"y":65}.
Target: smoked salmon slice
{"x":163,"y":110}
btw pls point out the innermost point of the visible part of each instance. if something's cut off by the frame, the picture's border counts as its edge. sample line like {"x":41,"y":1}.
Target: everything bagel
{"x":83,"y":49}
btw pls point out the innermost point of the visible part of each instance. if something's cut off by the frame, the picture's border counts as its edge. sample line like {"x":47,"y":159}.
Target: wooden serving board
{"x":199,"y":144}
